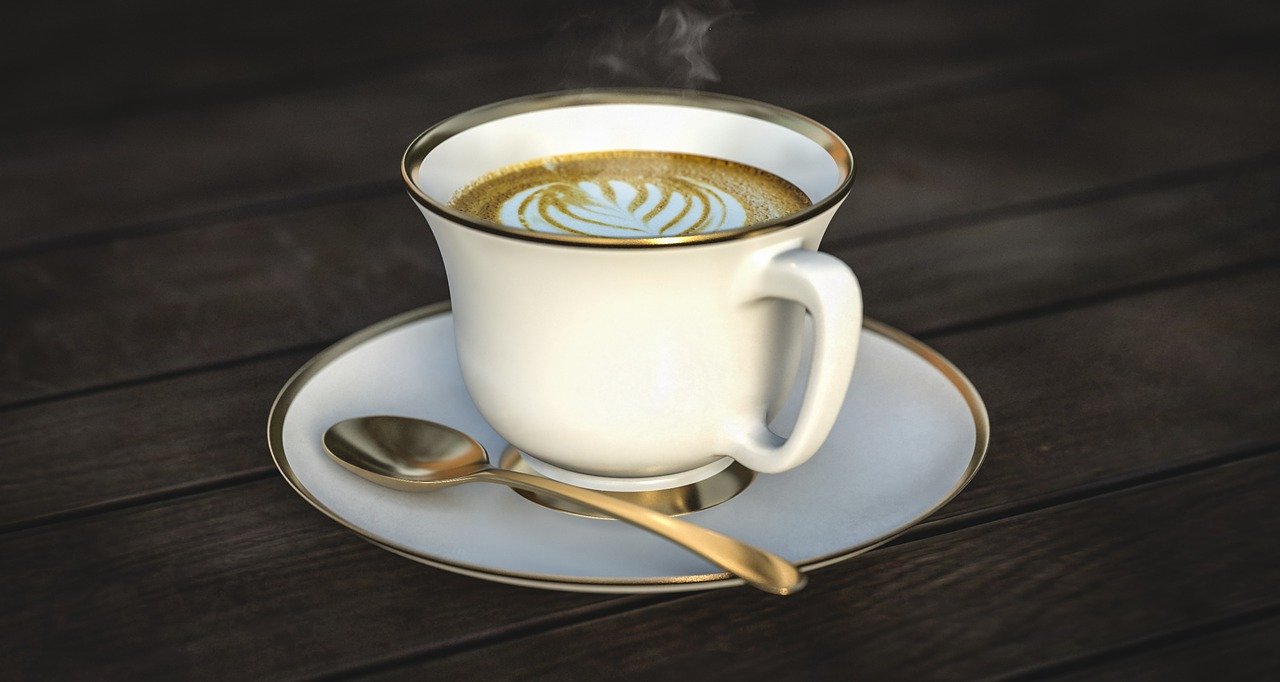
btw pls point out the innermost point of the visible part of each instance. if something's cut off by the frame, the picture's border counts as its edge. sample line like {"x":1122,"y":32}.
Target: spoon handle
{"x":757,"y":567}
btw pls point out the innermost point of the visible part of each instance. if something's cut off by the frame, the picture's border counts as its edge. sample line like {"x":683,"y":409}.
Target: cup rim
{"x":432,"y":137}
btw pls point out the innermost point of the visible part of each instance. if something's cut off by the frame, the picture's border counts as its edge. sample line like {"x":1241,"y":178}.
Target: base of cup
{"x":625,"y":485}
{"x":677,"y":501}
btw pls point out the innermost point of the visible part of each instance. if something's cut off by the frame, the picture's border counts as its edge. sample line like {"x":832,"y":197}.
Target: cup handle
{"x":827,"y":288}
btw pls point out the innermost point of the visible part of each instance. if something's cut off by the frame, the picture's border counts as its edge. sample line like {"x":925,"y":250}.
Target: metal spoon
{"x":418,"y":455}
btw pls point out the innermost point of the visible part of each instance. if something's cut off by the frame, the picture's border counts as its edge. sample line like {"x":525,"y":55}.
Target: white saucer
{"x":912,"y":433}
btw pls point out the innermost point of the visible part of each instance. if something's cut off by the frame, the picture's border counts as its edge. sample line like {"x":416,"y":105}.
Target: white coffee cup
{"x":639,"y":364}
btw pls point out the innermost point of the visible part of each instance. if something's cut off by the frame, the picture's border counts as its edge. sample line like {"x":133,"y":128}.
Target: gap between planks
{"x":1145,"y":185}
{"x":265,"y":472}
{"x":1154,"y":643}
{"x":530,"y":45}
{"x":1154,"y":183}
{"x":999,"y":79}
{"x":923,"y":532}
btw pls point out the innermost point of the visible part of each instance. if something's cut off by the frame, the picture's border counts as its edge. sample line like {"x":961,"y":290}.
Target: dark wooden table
{"x":1076,"y":202}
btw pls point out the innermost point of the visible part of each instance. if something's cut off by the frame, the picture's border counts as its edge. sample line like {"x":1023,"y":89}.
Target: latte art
{"x":674,"y":205}
{"x":629,"y":194}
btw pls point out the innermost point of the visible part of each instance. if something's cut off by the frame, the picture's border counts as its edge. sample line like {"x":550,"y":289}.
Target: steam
{"x":670,"y":50}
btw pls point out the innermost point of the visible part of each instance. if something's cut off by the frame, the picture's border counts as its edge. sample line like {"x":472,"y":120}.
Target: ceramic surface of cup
{"x":639,"y":363}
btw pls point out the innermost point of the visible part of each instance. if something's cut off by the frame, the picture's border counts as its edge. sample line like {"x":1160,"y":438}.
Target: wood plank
{"x":249,"y":582}
{"x":150,"y":170}
{"x":147,"y":440}
{"x":91,"y":59}
{"x":979,"y":153}
{"x":973,"y":603}
{"x":139,"y":575}
{"x":235,"y":290}
{"x":1135,"y":359}
{"x":161,"y":303}
{"x":922,"y":283}
{"x":1246,"y":652}
{"x":986,"y":268}
{"x":87,"y":59}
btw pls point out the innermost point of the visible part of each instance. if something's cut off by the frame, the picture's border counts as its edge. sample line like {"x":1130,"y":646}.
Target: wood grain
{"x":973,"y":603}
{"x":159,"y":170}
{"x":964,"y":271}
{"x":248,"y":582}
{"x":1246,"y":652}
{"x":164,"y":301}
{"x":1077,"y":202}
{"x":90,"y":60}
{"x":979,"y":153}
{"x":178,"y":301}
{"x":76,"y":60}
{"x":931,"y":281}
{"x":126,"y":445}
{"x":1081,"y":399}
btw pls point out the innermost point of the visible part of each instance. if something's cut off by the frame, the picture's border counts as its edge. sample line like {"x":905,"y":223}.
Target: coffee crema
{"x":629,"y":194}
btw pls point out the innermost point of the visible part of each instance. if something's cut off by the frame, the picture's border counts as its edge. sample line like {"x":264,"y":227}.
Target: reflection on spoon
{"x":418,"y":455}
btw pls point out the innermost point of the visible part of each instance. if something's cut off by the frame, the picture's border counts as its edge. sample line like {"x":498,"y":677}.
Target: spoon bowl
{"x":403,"y":453}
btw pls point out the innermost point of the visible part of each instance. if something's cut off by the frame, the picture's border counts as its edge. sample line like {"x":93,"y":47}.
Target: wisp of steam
{"x":639,"y":48}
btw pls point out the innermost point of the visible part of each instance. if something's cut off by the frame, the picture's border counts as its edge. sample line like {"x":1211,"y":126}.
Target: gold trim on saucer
{"x":677,"y":501}
{"x":432,"y":137}
{"x":291,"y":389}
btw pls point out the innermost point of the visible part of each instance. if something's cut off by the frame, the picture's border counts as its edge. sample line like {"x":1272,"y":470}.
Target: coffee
{"x":629,"y":194}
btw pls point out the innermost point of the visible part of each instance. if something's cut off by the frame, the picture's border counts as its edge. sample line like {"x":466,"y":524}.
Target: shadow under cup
{"x":492,"y":266}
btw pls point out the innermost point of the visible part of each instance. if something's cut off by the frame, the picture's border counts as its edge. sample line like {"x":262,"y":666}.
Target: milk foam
{"x":629,"y":194}
{"x":619,"y":208}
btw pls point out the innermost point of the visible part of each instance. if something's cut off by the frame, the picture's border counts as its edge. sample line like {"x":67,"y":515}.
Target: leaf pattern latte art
{"x":660,"y":207}
{"x":629,"y":195}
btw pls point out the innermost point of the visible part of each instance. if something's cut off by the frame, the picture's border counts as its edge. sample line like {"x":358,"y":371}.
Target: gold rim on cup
{"x":437,"y":134}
